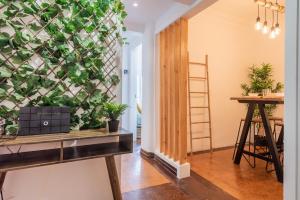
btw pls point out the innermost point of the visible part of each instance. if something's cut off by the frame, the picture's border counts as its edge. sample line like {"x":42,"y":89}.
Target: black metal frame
{"x":268,"y":131}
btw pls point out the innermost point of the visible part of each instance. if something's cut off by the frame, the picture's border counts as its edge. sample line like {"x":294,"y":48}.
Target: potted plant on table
{"x":261,"y":79}
{"x":112,"y":111}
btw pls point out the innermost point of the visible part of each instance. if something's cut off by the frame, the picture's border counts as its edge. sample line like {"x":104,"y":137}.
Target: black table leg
{"x":244,"y":134}
{"x":271,"y":142}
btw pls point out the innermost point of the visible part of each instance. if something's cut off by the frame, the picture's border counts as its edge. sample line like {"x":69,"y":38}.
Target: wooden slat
{"x":167,"y":85}
{"x":183,"y":91}
{"x":197,"y":63}
{"x":172,"y":90}
{"x":177,"y":77}
{"x":162,"y":92}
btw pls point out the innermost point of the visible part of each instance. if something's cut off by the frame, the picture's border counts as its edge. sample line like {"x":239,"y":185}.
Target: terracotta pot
{"x":113,"y":125}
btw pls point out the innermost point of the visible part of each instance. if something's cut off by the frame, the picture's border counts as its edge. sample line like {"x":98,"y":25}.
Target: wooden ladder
{"x":205,"y":78}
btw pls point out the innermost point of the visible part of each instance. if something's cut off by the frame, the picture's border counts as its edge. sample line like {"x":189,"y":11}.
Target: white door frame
{"x":292,"y":102}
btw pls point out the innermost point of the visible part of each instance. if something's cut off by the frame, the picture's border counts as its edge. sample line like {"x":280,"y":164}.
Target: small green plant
{"x":260,"y":78}
{"x":113,"y":111}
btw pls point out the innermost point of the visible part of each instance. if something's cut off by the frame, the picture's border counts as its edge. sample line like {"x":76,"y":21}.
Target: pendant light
{"x":273,"y":32}
{"x":265,"y":29}
{"x":258,"y":24}
{"x":277,"y":28}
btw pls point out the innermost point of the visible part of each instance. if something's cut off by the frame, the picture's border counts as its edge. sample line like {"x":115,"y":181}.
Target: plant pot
{"x":113,"y":125}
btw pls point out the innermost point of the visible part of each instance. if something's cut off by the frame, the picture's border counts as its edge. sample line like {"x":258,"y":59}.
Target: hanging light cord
{"x":273,"y":13}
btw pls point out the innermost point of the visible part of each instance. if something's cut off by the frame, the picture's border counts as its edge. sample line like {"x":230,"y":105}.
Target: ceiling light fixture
{"x":265,"y":29}
{"x":277,"y":28}
{"x":276,"y":9}
{"x":273,"y":32}
{"x":258,"y":24}
{"x":135,"y":4}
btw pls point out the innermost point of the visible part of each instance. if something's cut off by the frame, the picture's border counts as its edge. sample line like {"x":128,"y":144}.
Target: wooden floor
{"x":143,"y":180}
{"x":241,"y":181}
{"x":136,"y":173}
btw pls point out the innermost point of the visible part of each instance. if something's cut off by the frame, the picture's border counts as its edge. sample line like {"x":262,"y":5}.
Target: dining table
{"x":260,"y":102}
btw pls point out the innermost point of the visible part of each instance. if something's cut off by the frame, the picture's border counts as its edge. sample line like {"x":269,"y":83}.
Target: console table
{"x":122,"y":144}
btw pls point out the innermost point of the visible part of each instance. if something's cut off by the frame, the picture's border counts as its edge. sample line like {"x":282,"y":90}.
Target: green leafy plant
{"x":260,"y":78}
{"x":113,"y":111}
{"x":59,"y":53}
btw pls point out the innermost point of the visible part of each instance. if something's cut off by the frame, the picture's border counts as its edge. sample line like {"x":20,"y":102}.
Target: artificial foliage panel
{"x":59,"y":53}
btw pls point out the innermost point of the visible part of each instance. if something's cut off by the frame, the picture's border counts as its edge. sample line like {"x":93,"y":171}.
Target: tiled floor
{"x":241,"y":181}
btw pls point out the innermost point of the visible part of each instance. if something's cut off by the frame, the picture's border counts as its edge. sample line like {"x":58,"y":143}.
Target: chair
{"x":279,"y":141}
{"x":254,"y":122}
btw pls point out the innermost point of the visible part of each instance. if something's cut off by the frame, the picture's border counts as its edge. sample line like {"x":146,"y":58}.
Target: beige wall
{"x":225,"y":31}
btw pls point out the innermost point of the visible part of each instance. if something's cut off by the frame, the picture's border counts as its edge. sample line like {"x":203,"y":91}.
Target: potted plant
{"x":260,"y":80}
{"x":112,"y":111}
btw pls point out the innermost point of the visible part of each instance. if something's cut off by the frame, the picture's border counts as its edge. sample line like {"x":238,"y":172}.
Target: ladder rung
{"x":201,"y":122}
{"x":199,"y":107}
{"x":197,"y":63}
{"x":198,"y":138}
{"x":199,"y":92}
{"x":198,"y":78}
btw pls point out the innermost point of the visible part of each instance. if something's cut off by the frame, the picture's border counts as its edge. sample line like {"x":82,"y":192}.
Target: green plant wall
{"x":59,"y":53}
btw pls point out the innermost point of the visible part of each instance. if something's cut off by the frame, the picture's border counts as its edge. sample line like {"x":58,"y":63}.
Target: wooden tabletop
{"x":260,"y":99}
{"x":58,"y":137}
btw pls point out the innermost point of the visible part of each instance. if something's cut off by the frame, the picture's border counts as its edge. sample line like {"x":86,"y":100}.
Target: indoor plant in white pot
{"x":112,"y":111}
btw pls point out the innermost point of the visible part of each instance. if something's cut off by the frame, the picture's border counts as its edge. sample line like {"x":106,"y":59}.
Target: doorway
{"x":226,"y":32}
{"x":132,"y":83}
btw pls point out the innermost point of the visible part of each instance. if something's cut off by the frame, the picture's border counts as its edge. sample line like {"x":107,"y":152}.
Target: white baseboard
{"x":183,"y":170}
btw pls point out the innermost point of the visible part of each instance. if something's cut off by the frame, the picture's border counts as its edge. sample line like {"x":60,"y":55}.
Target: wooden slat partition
{"x":173,"y":90}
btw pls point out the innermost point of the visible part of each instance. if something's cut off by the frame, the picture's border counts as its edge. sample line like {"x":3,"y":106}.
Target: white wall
{"x":225,"y":31}
{"x":148,"y":72}
{"x":132,"y":61}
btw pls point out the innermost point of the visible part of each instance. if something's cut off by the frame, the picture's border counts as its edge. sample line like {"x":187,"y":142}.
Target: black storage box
{"x":44,"y":120}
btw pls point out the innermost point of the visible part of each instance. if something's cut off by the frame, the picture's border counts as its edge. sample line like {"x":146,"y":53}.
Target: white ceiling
{"x":147,"y":10}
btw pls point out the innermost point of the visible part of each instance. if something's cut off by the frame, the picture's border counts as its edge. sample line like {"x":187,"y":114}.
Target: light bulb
{"x":273,"y":33}
{"x":277,"y":29}
{"x":258,"y":24}
{"x":265,"y":29}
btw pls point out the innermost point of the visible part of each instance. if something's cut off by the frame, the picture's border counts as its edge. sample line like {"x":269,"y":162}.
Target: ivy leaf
{"x":61,"y":2}
{"x":90,"y":28}
{"x":16,"y":25}
{"x":114,"y":80}
{"x":35,"y":27}
{"x":27,"y":9}
{"x":2,"y":93}
{"x":47,"y":83}
{"x":96,"y":98}
{"x":2,"y":22}
{"x":11,"y":129}
{"x":5,"y":72}
{"x":4,"y":39}
{"x":17,"y":98}
{"x":22,"y":55}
